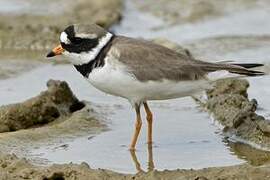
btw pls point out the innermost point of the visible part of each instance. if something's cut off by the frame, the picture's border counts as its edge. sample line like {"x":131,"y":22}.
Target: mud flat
{"x":54,"y":116}
{"x":11,"y":167}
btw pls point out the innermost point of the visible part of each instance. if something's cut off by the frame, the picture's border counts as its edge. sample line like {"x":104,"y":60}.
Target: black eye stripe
{"x":76,"y":40}
{"x":77,"y":44}
{"x":80,"y":45}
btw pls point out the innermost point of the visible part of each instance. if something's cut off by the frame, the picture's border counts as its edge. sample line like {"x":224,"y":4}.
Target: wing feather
{"x":149,"y":61}
{"x":152,"y":62}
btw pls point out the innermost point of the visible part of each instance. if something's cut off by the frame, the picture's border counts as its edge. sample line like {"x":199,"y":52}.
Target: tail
{"x":244,"y":69}
{"x":248,"y":66}
{"x":241,"y":69}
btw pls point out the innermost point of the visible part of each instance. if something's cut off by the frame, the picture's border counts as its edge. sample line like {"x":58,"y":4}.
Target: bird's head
{"x":81,"y":43}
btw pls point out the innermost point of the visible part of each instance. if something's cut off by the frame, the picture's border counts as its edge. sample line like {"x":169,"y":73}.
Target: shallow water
{"x":248,"y":22}
{"x":184,"y":135}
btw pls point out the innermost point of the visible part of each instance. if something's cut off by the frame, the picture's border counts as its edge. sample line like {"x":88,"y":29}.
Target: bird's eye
{"x":77,"y":40}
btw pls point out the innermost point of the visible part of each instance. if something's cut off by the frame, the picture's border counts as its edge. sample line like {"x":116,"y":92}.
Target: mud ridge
{"x":58,"y":100}
{"x":228,"y":102}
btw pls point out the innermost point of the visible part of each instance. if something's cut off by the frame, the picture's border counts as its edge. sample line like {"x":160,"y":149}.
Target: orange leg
{"x":149,"y":118}
{"x":138,"y":126}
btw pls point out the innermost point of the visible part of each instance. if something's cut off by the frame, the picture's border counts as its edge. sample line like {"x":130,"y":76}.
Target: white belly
{"x":114,"y":80}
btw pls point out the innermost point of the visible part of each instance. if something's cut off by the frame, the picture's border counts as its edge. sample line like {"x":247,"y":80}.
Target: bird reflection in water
{"x":150,"y":166}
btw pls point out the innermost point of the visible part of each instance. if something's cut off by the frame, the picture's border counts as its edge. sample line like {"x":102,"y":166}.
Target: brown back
{"x":149,"y":61}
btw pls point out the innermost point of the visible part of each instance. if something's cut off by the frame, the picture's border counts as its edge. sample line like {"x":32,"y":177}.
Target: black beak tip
{"x":50,"y":54}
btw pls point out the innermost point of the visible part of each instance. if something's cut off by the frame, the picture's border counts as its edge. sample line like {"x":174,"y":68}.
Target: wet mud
{"x":57,"y":101}
{"x":12,"y":167}
{"x":229,"y":103}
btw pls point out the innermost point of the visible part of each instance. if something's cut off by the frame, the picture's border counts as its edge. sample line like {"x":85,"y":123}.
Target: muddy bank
{"x":54,"y":116}
{"x":11,"y":167}
{"x":38,"y":29}
{"x":186,"y":11}
{"x":56,"y":102}
{"x":228,"y":102}
{"x":87,"y":122}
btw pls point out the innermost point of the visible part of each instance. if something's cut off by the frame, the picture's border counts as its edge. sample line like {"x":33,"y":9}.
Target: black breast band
{"x":86,"y":69}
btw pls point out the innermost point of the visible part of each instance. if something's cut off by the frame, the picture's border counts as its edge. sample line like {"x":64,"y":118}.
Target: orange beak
{"x":56,"y":51}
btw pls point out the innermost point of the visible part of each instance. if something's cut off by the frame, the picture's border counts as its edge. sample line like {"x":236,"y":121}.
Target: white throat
{"x":86,"y":57}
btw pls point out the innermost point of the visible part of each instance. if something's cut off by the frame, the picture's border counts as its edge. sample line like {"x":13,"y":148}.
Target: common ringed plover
{"x":136,"y":69}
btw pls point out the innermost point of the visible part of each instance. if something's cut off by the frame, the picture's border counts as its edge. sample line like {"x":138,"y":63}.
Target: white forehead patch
{"x":88,"y":36}
{"x":64,"y":38}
